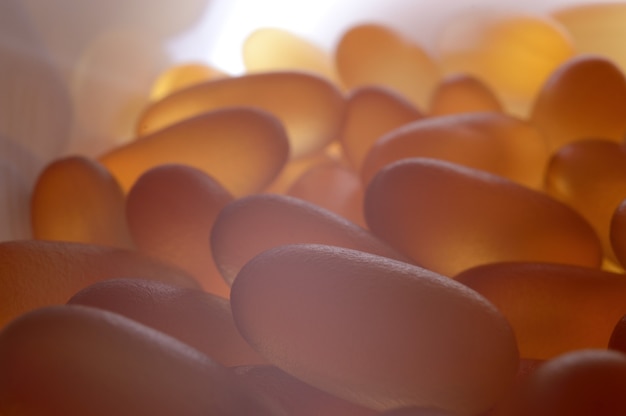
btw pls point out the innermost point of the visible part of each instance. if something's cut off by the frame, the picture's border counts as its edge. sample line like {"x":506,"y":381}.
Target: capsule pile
{"x":380,"y":230}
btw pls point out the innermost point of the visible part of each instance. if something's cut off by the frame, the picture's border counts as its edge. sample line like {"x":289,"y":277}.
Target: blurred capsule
{"x":295,"y":168}
{"x":361,"y":327}
{"x":182,"y":76}
{"x":309,"y":106}
{"x":170,"y":212}
{"x":462,"y":93}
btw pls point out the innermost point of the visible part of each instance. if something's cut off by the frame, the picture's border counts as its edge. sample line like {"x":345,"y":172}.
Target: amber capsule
{"x":170,"y":212}
{"x":183,"y":76}
{"x":584,"y":98}
{"x":201,"y":320}
{"x":37,"y":273}
{"x":493,"y":142}
{"x":462,"y":93}
{"x":256,"y":223}
{"x":76,"y":360}
{"x":77,"y":199}
{"x":361,"y":327}
{"x":448,"y":218}
{"x":553,"y":308}
{"x":371,"y":54}
{"x":309,"y":106}
{"x":370,"y":113}
{"x":242,"y":148}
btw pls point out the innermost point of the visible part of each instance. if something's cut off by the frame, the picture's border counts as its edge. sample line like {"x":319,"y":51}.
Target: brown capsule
{"x":308,"y":106}
{"x":462,"y":93}
{"x":37,"y":273}
{"x":553,"y":308}
{"x":76,"y":360}
{"x":183,"y":76}
{"x":242,"y":148}
{"x":448,"y":218}
{"x":170,"y":212}
{"x":617,"y":233}
{"x":493,"y":142}
{"x":251,"y":225}
{"x":361,"y":327}
{"x":201,"y":320}
{"x":77,"y":199}
{"x":585,"y":97}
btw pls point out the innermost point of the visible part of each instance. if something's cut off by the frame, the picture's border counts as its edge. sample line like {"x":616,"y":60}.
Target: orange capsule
{"x":201,"y":320}
{"x":76,"y":360}
{"x":553,"y":308}
{"x":617,"y":233}
{"x":462,"y":93}
{"x":448,"y":218}
{"x":256,"y":223}
{"x":361,"y":327}
{"x":584,"y":98}
{"x":183,"y":76}
{"x":37,"y":273}
{"x":309,"y":106}
{"x":370,"y":54}
{"x":493,"y":142}
{"x":590,"y":176}
{"x":242,"y":148}
{"x":370,"y":113}
{"x":170,"y":212}
{"x":293,"y":169}
{"x":77,"y":199}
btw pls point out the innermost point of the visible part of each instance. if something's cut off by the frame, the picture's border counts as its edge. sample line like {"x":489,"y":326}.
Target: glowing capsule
{"x":76,"y":199}
{"x":199,"y":319}
{"x":462,"y":93}
{"x":309,"y":106}
{"x":295,"y":168}
{"x":183,"y":76}
{"x":361,"y":327}
{"x":170,"y":212}
{"x":242,"y":148}
{"x":371,"y":54}
{"x":256,"y":223}
{"x":448,"y":218}
{"x":553,"y":308}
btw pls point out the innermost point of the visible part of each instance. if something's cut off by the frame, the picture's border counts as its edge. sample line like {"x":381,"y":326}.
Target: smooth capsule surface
{"x":372,"y":330}
{"x":448,"y":218}
{"x":462,"y":93}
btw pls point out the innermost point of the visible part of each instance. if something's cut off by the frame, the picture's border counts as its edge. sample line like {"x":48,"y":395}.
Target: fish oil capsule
{"x":77,"y":199}
{"x":308,"y":106}
{"x":170,"y":212}
{"x":448,"y":218}
{"x":250,"y":225}
{"x":242,"y":148}
{"x":370,"y":113}
{"x":361,"y":327}
{"x":183,"y":76}
{"x":37,"y":273}
{"x":462,"y":93}
{"x":76,"y":360}
{"x":493,"y":142}
{"x":584,"y":98}
{"x":553,"y":308}
{"x":590,"y":176}
{"x":371,"y":54}
{"x":201,"y":320}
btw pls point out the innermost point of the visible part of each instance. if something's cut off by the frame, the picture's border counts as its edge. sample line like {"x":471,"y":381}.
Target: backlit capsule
{"x":372,"y":330}
{"x":448,"y":218}
{"x":462,"y":93}
{"x":183,"y":76}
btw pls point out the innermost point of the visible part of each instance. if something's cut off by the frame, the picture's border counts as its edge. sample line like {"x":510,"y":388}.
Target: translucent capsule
{"x":293,"y":169}
{"x":76,"y":360}
{"x":242,"y":148}
{"x":590,"y":176}
{"x":493,"y":142}
{"x":77,"y":199}
{"x":448,"y":218}
{"x":584,"y":98}
{"x":361,"y":327}
{"x":199,"y":319}
{"x":37,"y":273}
{"x":552,"y":308}
{"x":370,"y":113}
{"x":273,"y":49}
{"x":309,"y":106}
{"x":170,"y":212}
{"x":617,"y":233}
{"x":183,"y":76}
{"x":462,"y":93}
{"x":371,"y":54}
{"x":256,"y":223}
{"x":494,"y":47}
